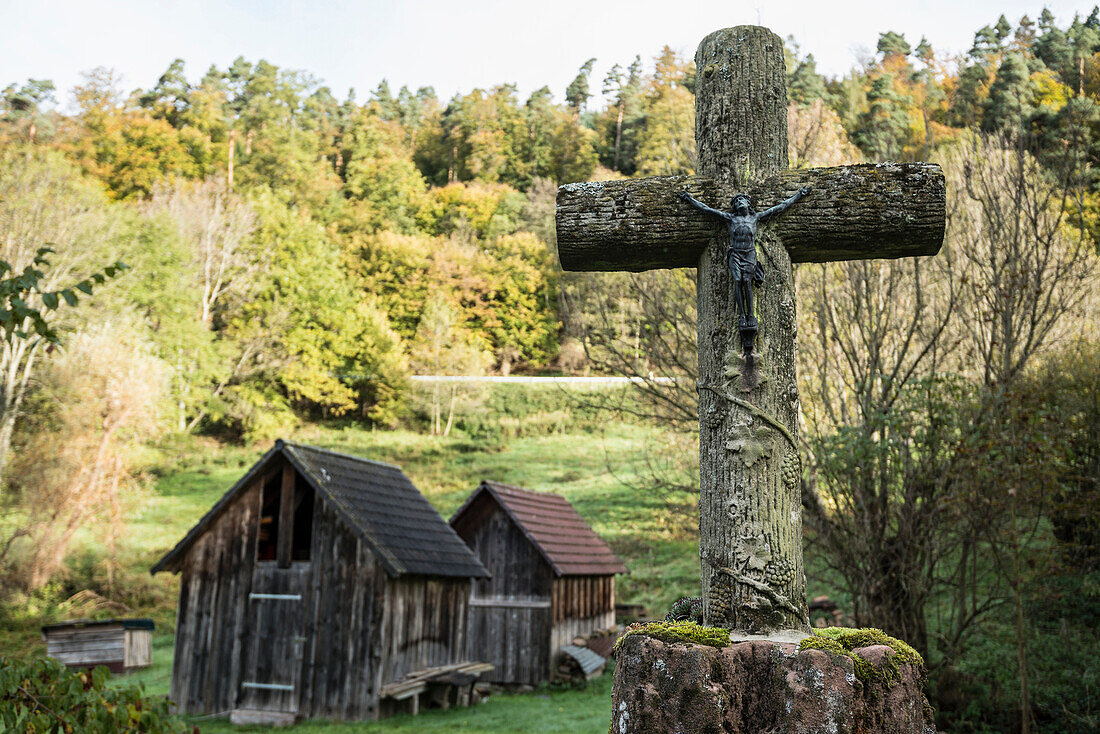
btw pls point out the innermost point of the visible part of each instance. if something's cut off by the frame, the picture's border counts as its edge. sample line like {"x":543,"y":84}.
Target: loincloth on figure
{"x":744,"y":262}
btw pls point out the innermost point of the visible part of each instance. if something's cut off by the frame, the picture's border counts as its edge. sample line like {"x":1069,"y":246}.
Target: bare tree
{"x":443,"y":348}
{"x":816,"y":137}
{"x":643,"y":325}
{"x":1026,"y":267}
{"x":873,"y":339}
{"x":216,"y":223}
{"x":907,"y":379}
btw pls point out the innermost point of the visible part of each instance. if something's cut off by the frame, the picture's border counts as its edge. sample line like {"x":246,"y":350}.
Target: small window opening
{"x":268,"y":543}
{"x":300,"y":527}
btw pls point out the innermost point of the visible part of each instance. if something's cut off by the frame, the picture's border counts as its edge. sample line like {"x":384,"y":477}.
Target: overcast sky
{"x":454,"y":45}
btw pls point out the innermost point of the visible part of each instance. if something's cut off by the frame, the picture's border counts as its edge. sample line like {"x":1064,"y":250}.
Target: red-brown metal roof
{"x":561,"y":535}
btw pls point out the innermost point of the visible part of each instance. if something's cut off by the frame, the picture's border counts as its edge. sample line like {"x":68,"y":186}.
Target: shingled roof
{"x":376,"y":500}
{"x":561,"y":535}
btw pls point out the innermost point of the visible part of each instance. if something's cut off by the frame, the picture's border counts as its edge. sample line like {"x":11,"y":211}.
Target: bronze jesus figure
{"x":742,"y":223}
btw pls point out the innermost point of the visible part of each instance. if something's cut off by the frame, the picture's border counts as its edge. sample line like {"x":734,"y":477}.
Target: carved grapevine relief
{"x":750,"y":446}
{"x":787,"y":315}
{"x":792,"y":469}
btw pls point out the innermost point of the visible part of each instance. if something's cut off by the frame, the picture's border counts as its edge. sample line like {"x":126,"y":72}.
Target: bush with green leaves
{"x":518,"y":409}
{"x":20,"y":319}
{"x":42,"y":696}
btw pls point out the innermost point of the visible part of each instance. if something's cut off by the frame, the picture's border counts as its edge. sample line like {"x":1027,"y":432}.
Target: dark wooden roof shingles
{"x":557,"y":530}
{"x":387,"y":509}
{"x":380,"y":504}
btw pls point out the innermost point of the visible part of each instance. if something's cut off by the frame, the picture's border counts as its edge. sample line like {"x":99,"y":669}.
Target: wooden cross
{"x":750,"y":521}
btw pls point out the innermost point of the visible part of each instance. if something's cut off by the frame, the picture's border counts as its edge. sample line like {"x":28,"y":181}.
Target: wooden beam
{"x":286,"y":517}
{"x":511,"y":603}
{"x":886,"y":210}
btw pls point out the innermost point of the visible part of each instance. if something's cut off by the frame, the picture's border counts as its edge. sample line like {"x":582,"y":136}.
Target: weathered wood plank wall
{"x":518,"y":570}
{"x":580,"y":605}
{"x":354,"y":630}
{"x":424,"y":625}
{"x":512,"y":637}
{"x":97,"y":646}
{"x":344,"y":628}
{"x":139,"y":648}
{"x":273,"y":649}
{"x":215,"y":580}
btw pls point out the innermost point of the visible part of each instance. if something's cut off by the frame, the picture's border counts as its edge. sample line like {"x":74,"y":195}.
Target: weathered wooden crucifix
{"x":750,"y":521}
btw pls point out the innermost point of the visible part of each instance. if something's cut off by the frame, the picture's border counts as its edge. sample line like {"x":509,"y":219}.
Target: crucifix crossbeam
{"x":750,"y":523}
{"x":882,"y":210}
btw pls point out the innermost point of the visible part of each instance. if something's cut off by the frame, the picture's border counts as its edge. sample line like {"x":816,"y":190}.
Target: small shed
{"x":552,"y":579}
{"x":320,"y":585}
{"x":120,"y":644}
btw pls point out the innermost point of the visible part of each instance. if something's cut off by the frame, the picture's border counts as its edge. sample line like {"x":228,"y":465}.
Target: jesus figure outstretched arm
{"x":701,"y":206}
{"x":783,"y":205}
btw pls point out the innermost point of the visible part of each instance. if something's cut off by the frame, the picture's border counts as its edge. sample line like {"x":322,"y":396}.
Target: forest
{"x":239,"y":254}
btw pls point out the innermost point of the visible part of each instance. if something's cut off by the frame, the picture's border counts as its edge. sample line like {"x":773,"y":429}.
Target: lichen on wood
{"x":745,"y":509}
{"x":854,"y":212}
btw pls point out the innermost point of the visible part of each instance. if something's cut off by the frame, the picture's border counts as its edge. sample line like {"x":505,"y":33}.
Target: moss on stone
{"x":842,"y":641}
{"x":682,"y":631}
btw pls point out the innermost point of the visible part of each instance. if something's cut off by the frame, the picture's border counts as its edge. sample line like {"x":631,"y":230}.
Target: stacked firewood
{"x":586,"y":657}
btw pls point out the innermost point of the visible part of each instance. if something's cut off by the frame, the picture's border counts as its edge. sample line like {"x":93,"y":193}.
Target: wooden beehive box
{"x":120,"y":644}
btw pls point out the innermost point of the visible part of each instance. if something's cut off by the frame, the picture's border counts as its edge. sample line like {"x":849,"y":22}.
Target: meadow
{"x":599,"y":471}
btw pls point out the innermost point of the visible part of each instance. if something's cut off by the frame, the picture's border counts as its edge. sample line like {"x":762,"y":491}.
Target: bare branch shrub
{"x":908,"y":372}
{"x":98,"y":399}
{"x":1025,"y":267}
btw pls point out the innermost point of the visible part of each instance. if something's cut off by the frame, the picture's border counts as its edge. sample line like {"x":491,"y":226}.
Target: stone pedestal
{"x":764,"y":687}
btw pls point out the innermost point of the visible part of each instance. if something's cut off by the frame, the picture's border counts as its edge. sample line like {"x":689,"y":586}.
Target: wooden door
{"x":274,"y":645}
{"x":513,"y":635}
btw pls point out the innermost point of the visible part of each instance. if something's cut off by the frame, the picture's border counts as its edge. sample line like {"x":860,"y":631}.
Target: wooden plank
{"x":401,"y":689}
{"x":244,"y":717}
{"x":286,"y":517}
{"x":83,"y":632}
{"x":139,"y":648}
{"x":511,"y":603}
{"x":78,"y":645}
{"x":89,"y":658}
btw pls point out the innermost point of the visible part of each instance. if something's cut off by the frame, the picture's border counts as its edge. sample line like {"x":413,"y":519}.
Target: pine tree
{"x":19,"y":106}
{"x":1052,"y":46}
{"x":893,"y":44}
{"x":577,"y":93}
{"x":1024,"y":36}
{"x":884,"y":128}
{"x":986,"y":43}
{"x":804,"y":84}
{"x":1010,"y":97}
{"x":624,"y":88}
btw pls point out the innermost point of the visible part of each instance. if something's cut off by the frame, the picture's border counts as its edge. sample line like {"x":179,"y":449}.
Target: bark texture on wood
{"x":854,"y":213}
{"x":750,"y":521}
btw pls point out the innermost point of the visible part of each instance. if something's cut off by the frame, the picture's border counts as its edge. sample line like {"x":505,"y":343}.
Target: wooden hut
{"x":552,"y":579}
{"x":120,"y":644}
{"x":320,"y":585}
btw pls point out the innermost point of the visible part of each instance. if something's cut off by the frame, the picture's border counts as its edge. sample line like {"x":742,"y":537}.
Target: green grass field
{"x":599,"y":473}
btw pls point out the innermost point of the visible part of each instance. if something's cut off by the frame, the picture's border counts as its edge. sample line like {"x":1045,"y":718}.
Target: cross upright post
{"x":750,"y":521}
